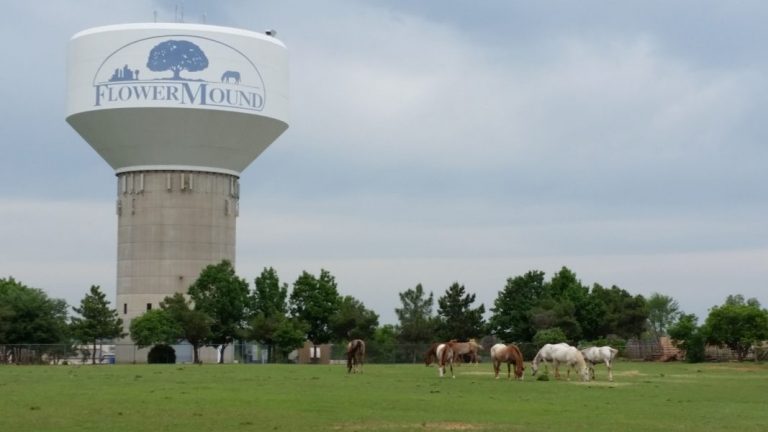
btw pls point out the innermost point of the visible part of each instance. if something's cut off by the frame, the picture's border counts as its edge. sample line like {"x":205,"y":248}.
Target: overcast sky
{"x":436,"y":142}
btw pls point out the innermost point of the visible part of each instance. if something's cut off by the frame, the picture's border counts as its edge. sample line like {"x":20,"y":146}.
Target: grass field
{"x":644,"y":397}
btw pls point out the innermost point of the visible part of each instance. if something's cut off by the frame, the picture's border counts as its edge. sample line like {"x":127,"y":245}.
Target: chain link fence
{"x":247,"y":352}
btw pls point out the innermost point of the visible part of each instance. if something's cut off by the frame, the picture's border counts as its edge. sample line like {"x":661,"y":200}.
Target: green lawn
{"x":644,"y":397}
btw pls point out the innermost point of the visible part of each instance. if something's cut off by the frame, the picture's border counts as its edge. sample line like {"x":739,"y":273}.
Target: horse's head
{"x":585,"y":374}
{"x":535,"y":364}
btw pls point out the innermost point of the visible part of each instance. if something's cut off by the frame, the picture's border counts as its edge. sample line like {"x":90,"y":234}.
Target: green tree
{"x":511,"y":319}
{"x":269,"y":296}
{"x":689,"y":337}
{"x":353,"y":320}
{"x":737,"y":324}
{"x":548,"y":336}
{"x":625,"y":315}
{"x":457,"y":319}
{"x":29,"y":316}
{"x":270,"y":308}
{"x":662,"y":312}
{"x":97,"y":321}
{"x":382,"y":348}
{"x":289,"y":335}
{"x":155,"y":327}
{"x":314,"y":300}
{"x":194,"y":325}
{"x":222,"y":295}
{"x":570,"y":298}
{"x":416,"y":322}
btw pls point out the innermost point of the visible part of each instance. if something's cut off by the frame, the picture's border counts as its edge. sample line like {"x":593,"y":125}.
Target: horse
{"x":445,"y":354}
{"x":544,"y":356}
{"x":603,"y":354}
{"x":431,"y":355}
{"x":561,"y":353}
{"x":507,"y":354}
{"x":230,"y":76}
{"x":355,"y":356}
{"x":467,"y":348}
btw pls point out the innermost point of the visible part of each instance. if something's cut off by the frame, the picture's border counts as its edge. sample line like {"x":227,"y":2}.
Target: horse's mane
{"x":519,"y":361}
{"x":579,"y":358}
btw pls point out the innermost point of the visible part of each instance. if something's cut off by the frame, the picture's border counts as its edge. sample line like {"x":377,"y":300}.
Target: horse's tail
{"x":361,"y":349}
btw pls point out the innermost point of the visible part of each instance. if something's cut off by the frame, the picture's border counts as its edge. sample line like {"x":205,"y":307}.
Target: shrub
{"x":551,"y":335}
{"x":161,"y":354}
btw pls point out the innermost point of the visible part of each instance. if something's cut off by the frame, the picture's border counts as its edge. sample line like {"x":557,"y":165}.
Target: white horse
{"x":445,"y":353}
{"x":603,"y":354}
{"x":561,"y":353}
{"x":544,"y":356}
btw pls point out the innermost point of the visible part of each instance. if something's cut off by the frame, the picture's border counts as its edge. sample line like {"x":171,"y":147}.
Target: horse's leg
{"x":556,"y":365}
{"x":610,"y":371}
{"x":496,"y":367}
{"x":509,"y":370}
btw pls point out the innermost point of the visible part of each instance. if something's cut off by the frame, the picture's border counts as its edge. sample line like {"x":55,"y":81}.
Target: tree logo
{"x":179,"y":72}
{"x":176,"y":56}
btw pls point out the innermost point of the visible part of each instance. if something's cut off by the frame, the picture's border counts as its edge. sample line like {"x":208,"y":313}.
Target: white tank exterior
{"x":179,"y":111}
{"x":177,"y":96}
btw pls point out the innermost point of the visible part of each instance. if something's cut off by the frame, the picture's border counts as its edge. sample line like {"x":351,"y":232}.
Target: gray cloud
{"x":444,"y":143}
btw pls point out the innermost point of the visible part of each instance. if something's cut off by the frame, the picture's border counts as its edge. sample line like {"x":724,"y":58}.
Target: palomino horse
{"x":445,"y":354}
{"x":508,"y":354}
{"x":603,"y":354}
{"x":561,"y":353}
{"x":467,"y":348}
{"x":355,"y":356}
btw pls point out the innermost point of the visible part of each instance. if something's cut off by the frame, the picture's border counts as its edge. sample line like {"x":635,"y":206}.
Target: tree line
{"x":220,"y":307}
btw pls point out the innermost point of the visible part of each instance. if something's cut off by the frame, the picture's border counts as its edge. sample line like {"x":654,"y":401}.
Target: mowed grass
{"x":643,"y":397}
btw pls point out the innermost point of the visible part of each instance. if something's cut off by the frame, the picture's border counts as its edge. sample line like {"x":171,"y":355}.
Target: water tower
{"x":179,"y":111}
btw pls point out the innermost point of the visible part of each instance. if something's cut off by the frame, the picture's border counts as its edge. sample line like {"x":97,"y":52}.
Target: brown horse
{"x":507,"y":354}
{"x":469,"y":349}
{"x":355,"y":356}
{"x":431,"y":355}
{"x":445,"y":354}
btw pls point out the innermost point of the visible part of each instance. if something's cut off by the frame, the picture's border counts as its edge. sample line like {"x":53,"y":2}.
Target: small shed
{"x":319,"y":354}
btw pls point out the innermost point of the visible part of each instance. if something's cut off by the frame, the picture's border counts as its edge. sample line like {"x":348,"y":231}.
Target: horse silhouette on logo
{"x":231,"y":77}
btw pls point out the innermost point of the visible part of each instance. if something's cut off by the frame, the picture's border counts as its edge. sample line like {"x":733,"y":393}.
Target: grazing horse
{"x":445,"y":354}
{"x":508,"y":354}
{"x":544,"y":356}
{"x":231,"y":77}
{"x":431,"y":355}
{"x":561,"y":353}
{"x":467,"y":348}
{"x":603,"y":354}
{"x":355,"y":356}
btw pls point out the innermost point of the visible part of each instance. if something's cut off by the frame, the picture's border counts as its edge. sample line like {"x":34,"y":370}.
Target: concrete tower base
{"x":171,"y":225}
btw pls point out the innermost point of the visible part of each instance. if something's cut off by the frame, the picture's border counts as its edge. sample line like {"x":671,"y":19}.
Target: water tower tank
{"x":178,"y":111}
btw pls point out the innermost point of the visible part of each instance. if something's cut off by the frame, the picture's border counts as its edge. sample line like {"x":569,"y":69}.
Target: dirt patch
{"x":740,"y":368}
{"x":602,"y":383}
{"x":479,"y":373}
{"x":629,"y":373}
{"x":426,"y":426}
